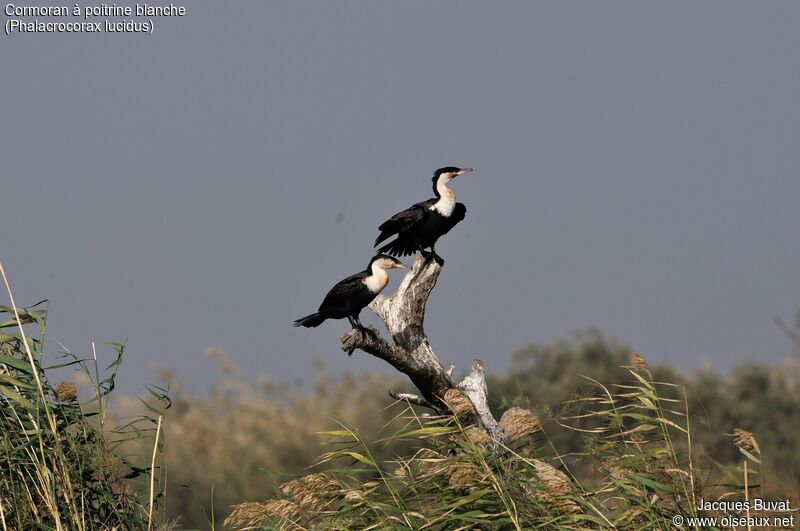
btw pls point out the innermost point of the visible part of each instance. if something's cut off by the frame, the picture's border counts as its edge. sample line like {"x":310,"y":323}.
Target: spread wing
{"x":403,"y":221}
{"x":342,"y":291}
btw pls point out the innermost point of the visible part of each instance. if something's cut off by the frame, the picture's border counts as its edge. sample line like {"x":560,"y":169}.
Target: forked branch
{"x":410,"y":351}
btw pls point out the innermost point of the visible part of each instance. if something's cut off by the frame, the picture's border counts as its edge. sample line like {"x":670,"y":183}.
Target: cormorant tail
{"x":315,"y":319}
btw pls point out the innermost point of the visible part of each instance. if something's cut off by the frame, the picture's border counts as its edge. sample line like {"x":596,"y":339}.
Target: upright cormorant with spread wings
{"x":421,"y":225}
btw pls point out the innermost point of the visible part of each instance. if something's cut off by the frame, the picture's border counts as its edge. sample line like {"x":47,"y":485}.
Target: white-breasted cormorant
{"x":348,"y":297}
{"x":422,"y":224}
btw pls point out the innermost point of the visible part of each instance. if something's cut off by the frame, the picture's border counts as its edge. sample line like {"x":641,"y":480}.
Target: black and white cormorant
{"x":422,"y":224}
{"x":348,"y":297}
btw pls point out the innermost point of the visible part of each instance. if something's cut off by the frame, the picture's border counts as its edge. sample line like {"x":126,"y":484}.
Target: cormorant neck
{"x":441,"y":189}
{"x":377,"y":278}
{"x":447,"y":198}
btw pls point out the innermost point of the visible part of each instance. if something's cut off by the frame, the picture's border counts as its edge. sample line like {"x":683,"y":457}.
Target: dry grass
{"x":625,"y":448}
{"x":247,"y":436}
{"x":637,"y":470}
{"x":246,"y":456}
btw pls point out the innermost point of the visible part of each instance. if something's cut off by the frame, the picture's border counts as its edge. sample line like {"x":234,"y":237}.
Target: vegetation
{"x":245,"y":457}
{"x":595,"y":438}
{"x":755,"y":396}
{"x":637,"y":471}
{"x":61,"y":464}
{"x":248,"y":436}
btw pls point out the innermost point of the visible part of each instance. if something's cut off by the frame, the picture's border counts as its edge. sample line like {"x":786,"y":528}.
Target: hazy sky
{"x":637,"y":169}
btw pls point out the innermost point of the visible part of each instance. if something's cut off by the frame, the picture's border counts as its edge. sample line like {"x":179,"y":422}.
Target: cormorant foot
{"x":428,"y":255}
{"x":366,"y":332}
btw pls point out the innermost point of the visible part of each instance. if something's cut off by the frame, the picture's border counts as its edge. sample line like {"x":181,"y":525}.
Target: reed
{"x":60,"y":461}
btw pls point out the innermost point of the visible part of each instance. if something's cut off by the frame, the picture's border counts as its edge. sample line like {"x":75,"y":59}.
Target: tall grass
{"x":249,"y":434}
{"x":756,"y":396}
{"x":626,"y":447}
{"x":61,"y":464}
{"x":451,"y":480}
{"x":637,"y":471}
{"x":253,"y":432}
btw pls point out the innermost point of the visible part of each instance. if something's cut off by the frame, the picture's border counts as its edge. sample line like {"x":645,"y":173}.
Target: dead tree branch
{"x":410,"y":398}
{"x":410,"y":351}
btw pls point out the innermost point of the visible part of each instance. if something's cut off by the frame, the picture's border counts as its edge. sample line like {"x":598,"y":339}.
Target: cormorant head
{"x":445,"y":175}
{"x":384,"y":261}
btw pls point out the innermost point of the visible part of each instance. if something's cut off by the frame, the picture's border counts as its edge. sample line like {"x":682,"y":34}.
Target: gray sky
{"x":637,"y":169}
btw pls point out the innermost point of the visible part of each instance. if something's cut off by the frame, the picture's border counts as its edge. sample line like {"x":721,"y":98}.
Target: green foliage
{"x":627,"y":452}
{"x":545,"y":378}
{"x":244,"y":453}
{"x":637,"y":470}
{"x":756,"y":396}
{"x":60,"y":465}
{"x":452,"y":480}
{"x":459,"y":478}
{"x":248,"y":434}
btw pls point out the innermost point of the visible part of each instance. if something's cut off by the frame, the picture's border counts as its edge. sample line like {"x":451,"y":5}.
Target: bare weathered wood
{"x":411,"y":398}
{"x":474,"y":386}
{"x":410,"y":352}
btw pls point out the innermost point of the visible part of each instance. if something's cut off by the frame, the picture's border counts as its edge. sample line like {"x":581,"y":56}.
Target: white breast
{"x":376,"y":281}
{"x":445,"y":204}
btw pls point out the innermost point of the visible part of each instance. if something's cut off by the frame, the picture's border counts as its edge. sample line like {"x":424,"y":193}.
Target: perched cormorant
{"x":348,"y":297}
{"x":422,"y":224}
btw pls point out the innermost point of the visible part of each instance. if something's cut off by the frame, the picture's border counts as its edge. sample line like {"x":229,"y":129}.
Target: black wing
{"x":458,"y":214}
{"x":343,"y":291}
{"x":403,"y":221}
